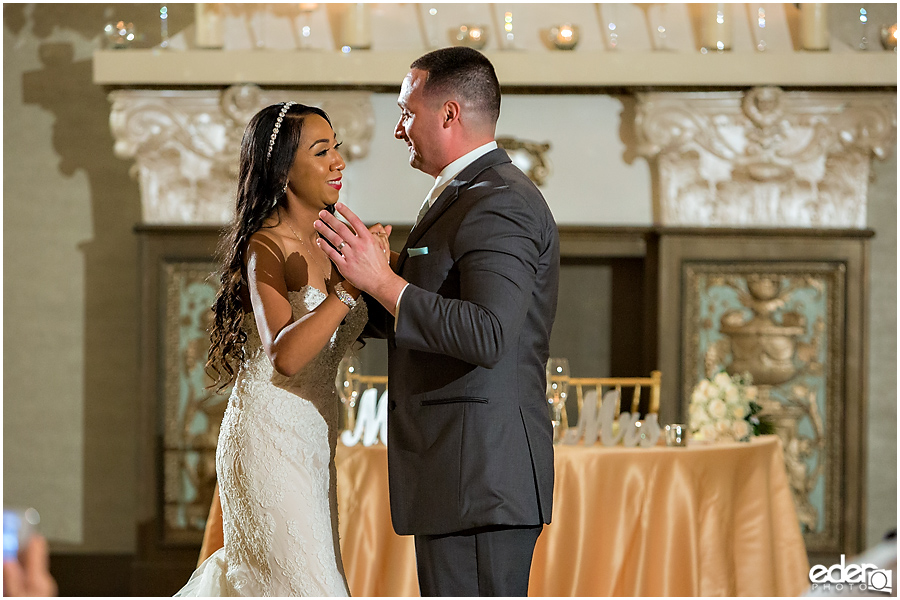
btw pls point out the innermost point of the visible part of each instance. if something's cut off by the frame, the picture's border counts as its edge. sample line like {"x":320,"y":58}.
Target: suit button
{"x":392,"y":405}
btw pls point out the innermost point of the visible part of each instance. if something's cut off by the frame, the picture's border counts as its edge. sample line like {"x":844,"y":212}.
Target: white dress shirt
{"x":443,"y":179}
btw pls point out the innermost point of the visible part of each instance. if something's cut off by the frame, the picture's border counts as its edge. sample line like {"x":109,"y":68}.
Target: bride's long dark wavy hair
{"x":261,"y":187}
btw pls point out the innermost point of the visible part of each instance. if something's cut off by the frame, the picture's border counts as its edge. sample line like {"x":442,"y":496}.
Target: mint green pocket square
{"x":418,"y":251}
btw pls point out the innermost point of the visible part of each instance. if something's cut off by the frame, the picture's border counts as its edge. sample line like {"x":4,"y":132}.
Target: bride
{"x":283,"y":320}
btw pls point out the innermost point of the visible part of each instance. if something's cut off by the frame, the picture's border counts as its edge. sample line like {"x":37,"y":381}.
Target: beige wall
{"x":71,"y":314}
{"x":882,"y":417}
{"x":595,"y":176}
{"x":70,"y":286}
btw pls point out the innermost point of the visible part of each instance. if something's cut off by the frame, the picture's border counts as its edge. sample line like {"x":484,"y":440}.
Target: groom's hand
{"x":359,"y":258}
{"x":383,"y":235}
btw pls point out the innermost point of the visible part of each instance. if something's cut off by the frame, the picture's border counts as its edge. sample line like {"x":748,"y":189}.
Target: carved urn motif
{"x":759,"y":345}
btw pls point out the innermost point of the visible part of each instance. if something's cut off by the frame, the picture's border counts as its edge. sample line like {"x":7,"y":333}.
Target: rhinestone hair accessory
{"x":278,"y":121}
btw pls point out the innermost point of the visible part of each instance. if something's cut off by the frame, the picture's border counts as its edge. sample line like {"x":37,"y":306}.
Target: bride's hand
{"x":383,"y":234}
{"x":348,"y":287}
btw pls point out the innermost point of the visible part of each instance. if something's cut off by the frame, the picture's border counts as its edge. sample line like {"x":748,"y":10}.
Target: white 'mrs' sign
{"x":371,"y":420}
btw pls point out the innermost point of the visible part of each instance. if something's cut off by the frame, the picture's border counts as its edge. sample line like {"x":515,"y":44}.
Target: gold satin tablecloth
{"x":708,"y":520}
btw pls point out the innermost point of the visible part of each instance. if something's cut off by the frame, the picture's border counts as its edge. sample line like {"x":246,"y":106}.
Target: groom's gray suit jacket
{"x":469,"y":433}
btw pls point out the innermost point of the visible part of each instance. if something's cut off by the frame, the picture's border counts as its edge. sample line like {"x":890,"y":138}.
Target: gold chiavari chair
{"x":373,"y":381}
{"x":638,"y":383}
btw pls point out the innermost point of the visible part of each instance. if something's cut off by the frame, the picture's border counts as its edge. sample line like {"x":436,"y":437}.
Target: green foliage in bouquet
{"x":759,"y":425}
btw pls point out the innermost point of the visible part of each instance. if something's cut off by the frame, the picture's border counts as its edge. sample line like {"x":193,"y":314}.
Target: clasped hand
{"x":363,"y":259}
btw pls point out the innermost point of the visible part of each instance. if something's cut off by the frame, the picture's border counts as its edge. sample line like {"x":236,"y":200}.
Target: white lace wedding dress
{"x":277,"y":481}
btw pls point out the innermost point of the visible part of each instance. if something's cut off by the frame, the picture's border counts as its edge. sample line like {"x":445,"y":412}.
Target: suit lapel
{"x":448,"y":196}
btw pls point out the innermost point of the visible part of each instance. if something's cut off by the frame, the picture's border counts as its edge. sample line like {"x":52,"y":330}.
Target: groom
{"x":467,"y":312}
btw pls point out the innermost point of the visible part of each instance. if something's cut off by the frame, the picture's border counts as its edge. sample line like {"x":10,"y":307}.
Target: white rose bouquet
{"x":723,"y":408}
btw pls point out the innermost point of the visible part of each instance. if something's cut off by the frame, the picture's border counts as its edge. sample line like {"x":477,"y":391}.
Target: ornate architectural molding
{"x":764,"y":157}
{"x":186,"y":143}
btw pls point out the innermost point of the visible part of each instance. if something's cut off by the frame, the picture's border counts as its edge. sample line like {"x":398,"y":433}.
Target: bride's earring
{"x":283,"y":192}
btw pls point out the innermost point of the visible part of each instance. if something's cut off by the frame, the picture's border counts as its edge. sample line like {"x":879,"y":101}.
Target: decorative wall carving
{"x":193,"y":412}
{"x":783,"y":323}
{"x":764,"y":157}
{"x":529,"y":156}
{"x":186,"y":143}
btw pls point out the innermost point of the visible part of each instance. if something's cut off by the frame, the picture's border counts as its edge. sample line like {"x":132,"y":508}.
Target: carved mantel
{"x":764,"y":157}
{"x":186,"y":144}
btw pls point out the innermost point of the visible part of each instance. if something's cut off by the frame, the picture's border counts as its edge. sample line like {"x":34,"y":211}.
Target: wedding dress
{"x":277,"y":480}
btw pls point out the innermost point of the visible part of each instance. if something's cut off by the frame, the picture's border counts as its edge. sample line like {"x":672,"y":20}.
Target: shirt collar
{"x":455,"y":168}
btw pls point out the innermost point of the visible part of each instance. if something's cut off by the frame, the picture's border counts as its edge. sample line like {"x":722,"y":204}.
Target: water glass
{"x":349,"y":388}
{"x":557,"y":393}
{"x":676,"y":435}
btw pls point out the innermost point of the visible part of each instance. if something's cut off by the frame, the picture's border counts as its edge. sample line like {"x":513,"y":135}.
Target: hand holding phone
{"x":19,"y":525}
{"x":26,"y":557}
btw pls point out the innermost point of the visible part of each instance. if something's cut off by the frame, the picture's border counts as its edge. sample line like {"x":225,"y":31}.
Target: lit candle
{"x":209,"y":30}
{"x":814,"y":26}
{"x":472,"y":36}
{"x":356,"y":30}
{"x":717,"y":26}
{"x":889,"y":37}
{"x":564,"y":37}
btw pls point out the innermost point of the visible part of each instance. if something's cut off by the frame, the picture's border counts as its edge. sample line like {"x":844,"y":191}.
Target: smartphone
{"x":19,"y":524}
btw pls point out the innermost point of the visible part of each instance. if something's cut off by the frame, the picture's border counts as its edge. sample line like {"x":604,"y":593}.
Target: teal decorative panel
{"x":783,"y":324}
{"x":193,"y":412}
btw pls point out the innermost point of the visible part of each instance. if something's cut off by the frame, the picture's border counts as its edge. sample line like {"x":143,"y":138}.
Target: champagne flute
{"x":557,"y":393}
{"x":349,"y":388}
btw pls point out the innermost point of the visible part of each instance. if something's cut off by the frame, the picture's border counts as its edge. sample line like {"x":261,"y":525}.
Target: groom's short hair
{"x":465,"y":73}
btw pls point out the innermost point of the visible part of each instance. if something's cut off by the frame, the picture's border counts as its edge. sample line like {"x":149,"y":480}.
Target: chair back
{"x":637,"y":383}
{"x":378,"y":382}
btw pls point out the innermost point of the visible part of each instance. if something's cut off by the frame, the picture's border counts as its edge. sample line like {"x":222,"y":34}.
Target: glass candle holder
{"x":472,"y":36}
{"x":564,"y":37}
{"x":305,"y":24}
{"x":119,"y":35}
{"x":814,"y":26}
{"x":209,"y":26}
{"x":356,"y":28}
{"x":863,"y":16}
{"x":659,"y":27}
{"x":611,"y":24}
{"x":889,"y":37}
{"x":759,"y":21}
{"x":432,"y":22}
{"x":717,"y":27}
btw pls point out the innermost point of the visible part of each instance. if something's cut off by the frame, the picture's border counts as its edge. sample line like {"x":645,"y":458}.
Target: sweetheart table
{"x":706,"y":520}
